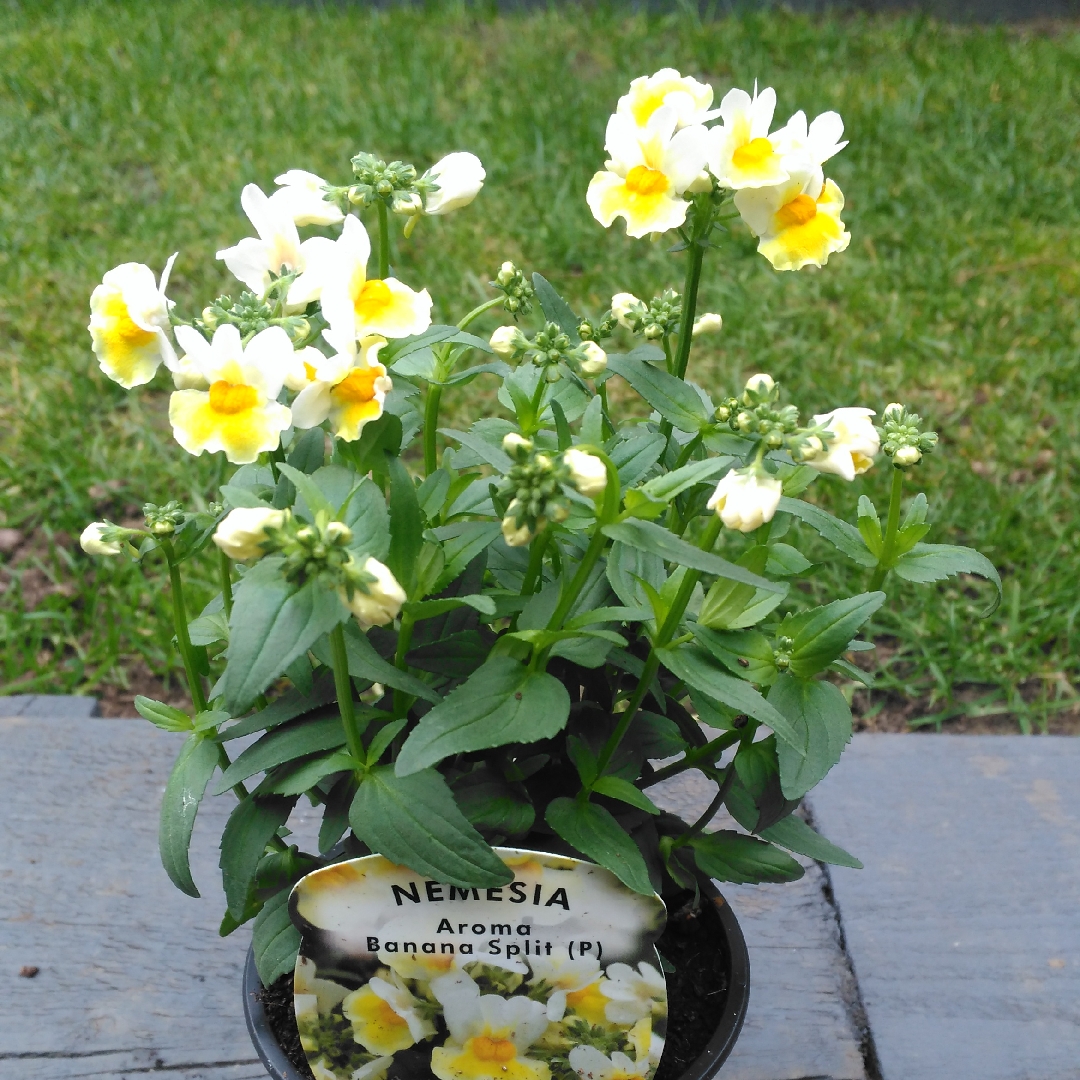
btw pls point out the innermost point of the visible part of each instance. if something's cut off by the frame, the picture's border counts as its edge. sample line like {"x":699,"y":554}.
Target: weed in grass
{"x":128,"y":130}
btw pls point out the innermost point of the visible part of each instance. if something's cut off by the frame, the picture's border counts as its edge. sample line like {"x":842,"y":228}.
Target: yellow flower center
{"x":799,"y":211}
{"x":485,"y":1048}
{"x":373,"y":299}
{"x":359,"y":385}
{"x":309,"y":372}
{"x":647,"y":103}
{"x":232,"y":398}
{"x":641,"y":180}
{"x":753,"y":154}
{"x":861,"y":462}
{"x":383,"y":1014}
{"x":123,"y":331}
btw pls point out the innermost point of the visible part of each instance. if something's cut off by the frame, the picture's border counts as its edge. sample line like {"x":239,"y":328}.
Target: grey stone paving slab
{"x":134,"y":978}
{"x":57,"y":706}
{"x":964,"y":928}
{"x":799,"y":1021}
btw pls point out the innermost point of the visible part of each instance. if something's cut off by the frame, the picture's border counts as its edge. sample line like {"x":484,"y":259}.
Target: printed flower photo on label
{"x":554,"y":976}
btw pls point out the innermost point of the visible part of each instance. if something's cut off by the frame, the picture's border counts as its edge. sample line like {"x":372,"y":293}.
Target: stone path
{"x":963,"y":931}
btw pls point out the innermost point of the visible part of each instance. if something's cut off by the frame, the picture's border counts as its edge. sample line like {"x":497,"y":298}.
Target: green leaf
{"x":784,"y":560}
{"x":635,"y":456}
{"x":730,"y":856}
{"x":299,"y":776}
{"x":161,"y":715}
{"x":627,"y":567}
{"x":666,"y":487}
{"x":296,"y":740}
{"x":935,"y":562}
{"x":562,"y":428}
{"x":236,"y":497}
{"x":695,"y":666}
{"x":383,"y":738}
{"x":794,"y":834}
{"x":335,"y":819}
{"x":406,"y":525}
{"x":462,"y":541}
{"x":455,"y":655}
{"x":490,"y":454}
{"x":496,"y":367}
{"x":253,"y":823}
{"x":491,"y":803}
{"x":314,"y":499}
{"x":272,"y":624}
{"x":433,"y":335}
{"x":746,"y":653}
{"x":870,"y":526}
{"x":274,"y":939}
{"x":672,"y":398}
{"x":556,"y":309}
{"x":366,"y":663}
{"x":821,"y":634}
{"x":195,"y":764}
{"x":501,"y":702}
{"x":413,"y":820}
{"x":820,"y":716}
{"x":648,"y":536}
{"x":358,"y":502}
{"x":591,"y":830}
{"x":308,"y":450}
{"x":210,"y":720}
{"x":291,"y":704}
{"x":379,"y":438}
{"x":614,"y":787}
{"x":727,"y":600}
{"x":209,"y":628}
{"x":429,"y":609}
{"x":844,"y":537}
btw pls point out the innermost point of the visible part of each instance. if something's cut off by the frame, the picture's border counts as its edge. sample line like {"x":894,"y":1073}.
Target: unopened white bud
{"x":460,"y":177}
{"x":504,"y":341}
{"x":621,"y":305}
{"x":812,"y":448}
{"x":515,"y":535}
{"x":709,"y":323}
{"x":337,"y":532}
{"x":895,"y":408}
{"x":408,"y":204}
{"x":907,"y":455}
{"x":513,"y":444}
{"x":243,"y":531}
{"x":587,"y":472}
{"x":382,"y":601}
{"x":90,"y":540}
{"x":761,"y":383}
{"x":701,"y":182}
{"x":746,"y":500}
{"x":595,"y":361}
{"x":507,"y":273}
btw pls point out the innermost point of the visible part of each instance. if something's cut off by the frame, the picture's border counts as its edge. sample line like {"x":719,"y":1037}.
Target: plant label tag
{"x":553,"y":976}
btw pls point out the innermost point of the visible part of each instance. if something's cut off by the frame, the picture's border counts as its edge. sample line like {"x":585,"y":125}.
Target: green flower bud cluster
{"x":782,"y":653}
{"x":658,"y":318}
{"x":552,"y":347}
{"x":319,"y":551}
{"x":517,"y":288}
{"x":377,"y":180}
{"x":163,"y":520}
{"x":249,"y":314}
{"x":902,"y":437}
{"x":597,"y":330}
{"x":759,"y":413}
{"x":535,"y":484}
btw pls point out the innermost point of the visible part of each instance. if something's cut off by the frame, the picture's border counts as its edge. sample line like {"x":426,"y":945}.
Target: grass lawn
{"x":127,"y":131}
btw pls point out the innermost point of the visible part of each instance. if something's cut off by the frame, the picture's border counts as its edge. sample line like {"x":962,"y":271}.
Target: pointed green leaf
{"x":253,"y":823}
{"x":195,"y":764}
{"x":556,"y":309}
{"x":593,"y":831}
{"x":820,"y":716}
{"x":615,"y":787}
{"x":844,"y":537}
{"x":672,"y":398}
{"x":730,"y":856}
{"x":299,"y":776}
{"x":161,"y":715}
{"x":674,"y":483}
{"x":821,"y":634}
{"x":935,"y":562}
{"x":274,"y":939}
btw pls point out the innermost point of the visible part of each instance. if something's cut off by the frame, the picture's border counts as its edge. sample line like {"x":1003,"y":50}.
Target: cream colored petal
{"x":249,"y":262}
{"x":312,"y":405}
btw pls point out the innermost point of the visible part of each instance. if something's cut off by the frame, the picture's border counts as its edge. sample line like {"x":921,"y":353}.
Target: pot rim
{"x":705,"y":1066}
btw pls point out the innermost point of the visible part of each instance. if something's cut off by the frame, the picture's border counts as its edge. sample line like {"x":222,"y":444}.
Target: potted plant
{"x":511,"y":641}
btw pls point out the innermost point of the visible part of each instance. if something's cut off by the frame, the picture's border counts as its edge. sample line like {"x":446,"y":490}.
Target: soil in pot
{"x":693,"y":943}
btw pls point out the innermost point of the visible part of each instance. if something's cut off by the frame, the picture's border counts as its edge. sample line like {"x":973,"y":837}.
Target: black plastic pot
{"x":705,"y":1067}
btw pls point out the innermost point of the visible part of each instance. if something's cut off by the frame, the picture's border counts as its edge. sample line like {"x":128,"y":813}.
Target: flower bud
{"x":381,"y":602}
{"x":709,"y":323}
{"x":515,"y":535}
{"x":893,"y":411}
{"x":90,"y":540}
{"x":504,"y":341}
{"x":621,"y":305}
{"x":811,"y":448}
{"x":760,"y":384}
{"x":337,"y":532}
{"x":517,"y":446}
{"x":701,"y":182}
{"x":243,"y":532}
{"x":746,"y":500}
{"x":460,"y":177}
{"x":907,"y":456}
{"x":587,"y":472}
{"x":408,"y":204}
{"x":595,"y":360}
{"x":507,"y":273}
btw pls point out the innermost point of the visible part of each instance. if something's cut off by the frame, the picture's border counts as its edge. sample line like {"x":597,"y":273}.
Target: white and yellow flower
{"x":354,"y":303}
{"x":303,"y":195}
{"x":648,"y":171}
{"x":385,"y":1017}
{"x":90,"y":540}
{"x":815,"y":144}
{"x":312,"y":995}
{"x":239,"y":413}
{"x":797,"y":222}
{"x":277,"y":250}
{"x":646,"y":1043}
{"x":349,"y":388}
{"x":303,"y":369}
{"x":853,"y":444}
{"x":129,"y":318}
{"x":460,"y":176}
{"x":590,"y":1064}
{"x":689,"y":98}
{"x":742,"y":153}
{"x":633,"y":995}
{"x":381,"y":602}
{"x":489,"y":1035}
{"x":242,"y":533}
{"x":745,"y":500}
{"x":566,"y":976}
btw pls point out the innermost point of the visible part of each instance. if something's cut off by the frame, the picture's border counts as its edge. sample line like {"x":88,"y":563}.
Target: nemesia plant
{"x":512,"y":633}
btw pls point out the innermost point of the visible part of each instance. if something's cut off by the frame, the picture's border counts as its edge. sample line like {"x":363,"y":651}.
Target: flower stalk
{"x":891,"y":527}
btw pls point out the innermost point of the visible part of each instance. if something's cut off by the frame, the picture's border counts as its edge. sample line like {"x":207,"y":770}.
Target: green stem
{"x":536,"y":563}
{"x":402,"y":700}
{"x":431,"y":427}
{"x":709,"y":752}
{"x":652,"y":664}
{"x":689,"y":308}
{"x":384,"y":240}
{"x":711,"y":810}
{"x":892,"y":526}
{"x":476,"y":312}
{"x":343,"y":686}
{"x":666,"y":342}
{"x":225,"y":568}
{"x":180,"y":624}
